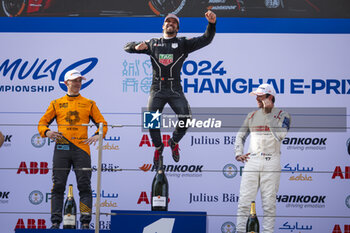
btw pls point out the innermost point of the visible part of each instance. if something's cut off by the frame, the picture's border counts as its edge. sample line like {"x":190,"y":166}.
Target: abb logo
{"x":339,"y":172}
{"x":144,"y":198}
{"x":145,"y":140}
{"x":33,"y":168}
{"x":337,"y":229}
{"x":31,"y":224}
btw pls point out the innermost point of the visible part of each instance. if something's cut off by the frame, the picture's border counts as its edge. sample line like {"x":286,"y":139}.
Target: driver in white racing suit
{"x":267,"y":128}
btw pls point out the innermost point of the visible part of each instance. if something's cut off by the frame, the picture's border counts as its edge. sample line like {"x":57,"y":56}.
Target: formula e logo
{"x":230,"y":171}
{"x":40,"y":70}
{"x":151,"y":120}
{"x":348,"y":145}
{"x":166,"y":59}
{"x":37,"y":141}
{"x":36,"y":197}
{"x":228,"y":227}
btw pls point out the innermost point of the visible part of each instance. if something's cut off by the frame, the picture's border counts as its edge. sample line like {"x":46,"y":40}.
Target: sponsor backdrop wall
{"x":308,"y":70}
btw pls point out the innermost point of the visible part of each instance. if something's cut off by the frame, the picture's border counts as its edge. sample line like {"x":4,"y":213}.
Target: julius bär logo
{"x":37,"y":141}
{"x":151,"y":120}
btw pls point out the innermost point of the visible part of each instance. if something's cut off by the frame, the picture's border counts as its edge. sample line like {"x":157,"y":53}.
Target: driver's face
{"x":170,"y":26}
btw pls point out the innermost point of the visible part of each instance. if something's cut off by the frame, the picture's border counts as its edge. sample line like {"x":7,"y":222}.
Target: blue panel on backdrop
{"x":154,"y":25}
{"x":158,"y":221}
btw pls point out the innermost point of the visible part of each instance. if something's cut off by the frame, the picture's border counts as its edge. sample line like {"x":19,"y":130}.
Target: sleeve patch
{"x":286,"y":123}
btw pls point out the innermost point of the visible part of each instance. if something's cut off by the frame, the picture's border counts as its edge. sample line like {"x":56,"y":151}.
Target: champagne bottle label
{"x":159,"y":201}
{"x":69,"y":219}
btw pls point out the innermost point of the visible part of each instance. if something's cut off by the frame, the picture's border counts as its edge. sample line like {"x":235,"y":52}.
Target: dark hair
{"x":273,"y":98}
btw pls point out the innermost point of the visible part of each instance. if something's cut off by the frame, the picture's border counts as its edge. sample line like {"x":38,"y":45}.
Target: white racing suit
{"x":262,"y":170}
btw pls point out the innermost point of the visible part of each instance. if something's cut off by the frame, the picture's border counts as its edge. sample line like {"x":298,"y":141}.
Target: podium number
{"x":163,"y":225}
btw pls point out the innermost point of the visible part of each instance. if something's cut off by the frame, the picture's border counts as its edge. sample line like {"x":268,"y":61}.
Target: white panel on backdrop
{"x":307,"y":70}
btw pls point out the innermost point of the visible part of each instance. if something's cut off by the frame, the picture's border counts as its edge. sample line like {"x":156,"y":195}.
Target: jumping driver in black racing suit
{"x":167,"y":56}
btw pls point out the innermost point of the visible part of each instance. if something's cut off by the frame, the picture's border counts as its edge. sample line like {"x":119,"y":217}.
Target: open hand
{"x":243,"y":158}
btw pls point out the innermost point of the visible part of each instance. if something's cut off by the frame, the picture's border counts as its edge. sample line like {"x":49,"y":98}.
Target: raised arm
{"x":196,"y":43}
{"x":279,"y":125}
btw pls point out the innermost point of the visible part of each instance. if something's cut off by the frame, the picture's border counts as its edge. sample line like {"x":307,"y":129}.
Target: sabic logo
{"x":36,"y":197}
{"x":145,"y":140}
{"x":33,"y":169}
{"x":37,"y":141}
{"x":337,"y":229}
{"x":108,"y":147}
{"x":338,"y":172}
{"x":228,"y":227}
{"x":31,"y":224}
{"x":229,"y":171}
{"x":107,"y":204}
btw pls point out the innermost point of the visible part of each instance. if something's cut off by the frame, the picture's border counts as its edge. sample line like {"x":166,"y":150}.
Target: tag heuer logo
{"x":166,"y":59}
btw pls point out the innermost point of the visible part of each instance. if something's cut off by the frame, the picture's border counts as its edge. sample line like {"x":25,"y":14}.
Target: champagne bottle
{"x":160,"y":189}
{"x":253,"y":222}
{"x":70,"y":211}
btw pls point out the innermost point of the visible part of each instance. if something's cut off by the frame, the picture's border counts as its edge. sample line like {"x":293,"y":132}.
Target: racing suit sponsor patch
{"x":62,"y":147}
{"x":286,"y":123}
{"x":166,"y":59}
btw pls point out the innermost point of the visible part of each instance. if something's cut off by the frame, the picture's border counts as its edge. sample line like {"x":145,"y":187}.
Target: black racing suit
{"x":167,"y":57}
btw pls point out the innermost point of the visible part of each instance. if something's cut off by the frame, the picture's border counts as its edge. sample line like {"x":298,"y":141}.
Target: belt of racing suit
{"x":169,"y":82}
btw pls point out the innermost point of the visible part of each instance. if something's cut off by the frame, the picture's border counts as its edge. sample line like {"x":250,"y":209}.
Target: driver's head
{"x":171,"y":24}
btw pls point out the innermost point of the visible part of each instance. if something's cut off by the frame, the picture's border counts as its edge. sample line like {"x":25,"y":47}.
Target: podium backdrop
{"x":309,"y":70}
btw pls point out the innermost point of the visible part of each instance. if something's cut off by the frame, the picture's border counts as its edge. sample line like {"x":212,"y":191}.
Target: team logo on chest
{"x":174,"y":45}
{"x":166,"y":59}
